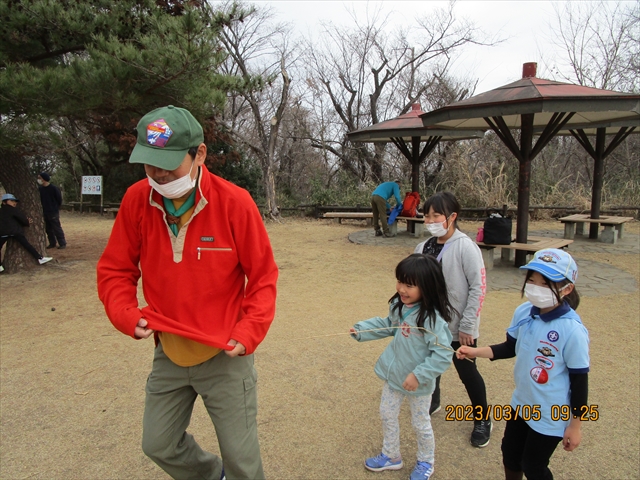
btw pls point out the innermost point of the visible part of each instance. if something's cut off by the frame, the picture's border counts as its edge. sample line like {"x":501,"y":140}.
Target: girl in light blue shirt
{"x":551,"y":346}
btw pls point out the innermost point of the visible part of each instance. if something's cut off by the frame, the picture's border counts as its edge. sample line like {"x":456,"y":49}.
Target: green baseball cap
{"x":165,"y":135}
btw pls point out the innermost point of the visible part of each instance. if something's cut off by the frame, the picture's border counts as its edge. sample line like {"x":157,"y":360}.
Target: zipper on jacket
{"x":223,"y":249}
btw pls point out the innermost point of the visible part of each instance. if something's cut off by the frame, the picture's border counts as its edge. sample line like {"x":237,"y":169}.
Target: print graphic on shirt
{"x":546,"y":351}
{"x":544,"y":362}
{"x":407,"y":330}
{"x":550,"y":345}
{"x":539,"y":375}
{"x":553,"y":336}
{"x":158,"y":133}
{"x":206,"y":239}
{"x":483,"y":290}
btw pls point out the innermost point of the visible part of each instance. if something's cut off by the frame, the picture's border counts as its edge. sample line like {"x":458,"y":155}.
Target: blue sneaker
{"x":382,"y":462}
{"x":422,"y":471}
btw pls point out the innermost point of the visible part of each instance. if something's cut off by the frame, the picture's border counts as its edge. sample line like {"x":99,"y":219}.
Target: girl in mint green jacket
{"x":418,"y":353}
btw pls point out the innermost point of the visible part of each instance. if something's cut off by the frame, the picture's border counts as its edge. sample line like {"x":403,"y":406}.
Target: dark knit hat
{"x":45,"y":176}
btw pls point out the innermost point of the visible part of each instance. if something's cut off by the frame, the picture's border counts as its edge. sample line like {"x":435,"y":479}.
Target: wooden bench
{"x":613,"y":226}
{"x":339,"y":216}
{"x":415,"y":226}
{"x":113,"y":210}
{"x":532,"y":246}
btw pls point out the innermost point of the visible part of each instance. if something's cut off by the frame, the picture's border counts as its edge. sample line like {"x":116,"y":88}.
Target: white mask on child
{"x":541,"y":297}
{"x":176,"y":188}
{"x":437,"y":229}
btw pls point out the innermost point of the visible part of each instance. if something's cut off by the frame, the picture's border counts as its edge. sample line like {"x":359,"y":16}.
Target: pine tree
{"x":101,"y":64}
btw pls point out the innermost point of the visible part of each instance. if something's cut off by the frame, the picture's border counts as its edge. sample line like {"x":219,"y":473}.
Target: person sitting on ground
{"x":11,"y":222}
{"x":379,"y":205}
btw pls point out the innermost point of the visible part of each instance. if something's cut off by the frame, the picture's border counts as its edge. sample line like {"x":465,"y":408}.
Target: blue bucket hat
{"x":8,"y":196}
{"x":554,"y":264}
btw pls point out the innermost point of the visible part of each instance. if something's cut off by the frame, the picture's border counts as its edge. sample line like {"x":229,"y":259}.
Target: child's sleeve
{"x":373,"y":323}
{"x":576,"y":350}
{"x":441,"y":355}
{"x":579,"y":385}
{"x":507,"y":349}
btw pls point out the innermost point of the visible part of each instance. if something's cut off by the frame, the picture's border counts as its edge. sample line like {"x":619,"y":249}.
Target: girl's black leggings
{"x":525,"y":450}
{"x":471,"y":378}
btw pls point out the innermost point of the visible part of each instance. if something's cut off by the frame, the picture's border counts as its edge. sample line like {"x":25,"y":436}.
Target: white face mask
{"x":541,"y":297}
{"x":177,"y":188}
{"x":40,"y":182}
{"x":437,"y":229}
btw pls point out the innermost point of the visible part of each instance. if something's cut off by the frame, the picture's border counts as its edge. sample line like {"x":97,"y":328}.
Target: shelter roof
{"x":542,"y":97}
{"x":407,"y":126}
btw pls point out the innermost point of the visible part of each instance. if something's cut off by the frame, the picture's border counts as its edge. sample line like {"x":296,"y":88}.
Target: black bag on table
{"x":497,"y":230}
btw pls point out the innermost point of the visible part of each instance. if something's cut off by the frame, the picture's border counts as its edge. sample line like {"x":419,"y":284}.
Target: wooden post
{"x":524,"y":183}
{"x":598,"y":180}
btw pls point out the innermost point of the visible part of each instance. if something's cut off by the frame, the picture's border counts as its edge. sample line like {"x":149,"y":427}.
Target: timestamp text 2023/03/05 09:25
{"x":526,"y":412}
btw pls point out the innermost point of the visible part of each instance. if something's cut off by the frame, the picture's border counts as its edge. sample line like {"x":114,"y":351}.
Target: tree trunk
{"x":376,"y":162}
{"x":16,"y":179}
{"x":270,"y":190}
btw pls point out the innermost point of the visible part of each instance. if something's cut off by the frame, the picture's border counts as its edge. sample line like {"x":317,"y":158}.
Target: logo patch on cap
{"x":158,"y":133}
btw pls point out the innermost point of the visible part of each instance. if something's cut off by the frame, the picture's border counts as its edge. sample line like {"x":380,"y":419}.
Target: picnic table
{"x":415,"y":225}
{"x":339,"y":216}
{"x":613,"y":226}
{"x":533,"y":244}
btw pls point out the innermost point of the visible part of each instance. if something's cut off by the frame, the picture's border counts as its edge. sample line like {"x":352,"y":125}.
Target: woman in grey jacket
{"x":465,"y":275}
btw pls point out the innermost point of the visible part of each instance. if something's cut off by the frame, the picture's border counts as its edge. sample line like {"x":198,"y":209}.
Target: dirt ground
{"x":72,"y":387}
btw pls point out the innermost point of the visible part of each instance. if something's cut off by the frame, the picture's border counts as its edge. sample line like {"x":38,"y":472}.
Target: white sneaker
{"x":44,"y":260}
{"x":1,"y":268}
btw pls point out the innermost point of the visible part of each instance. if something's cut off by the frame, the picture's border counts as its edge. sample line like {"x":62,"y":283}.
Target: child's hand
{"x":410,"y":383}
{"x":465,"y":352}
{"x":354,"y":333}
{"x":572,"y":436}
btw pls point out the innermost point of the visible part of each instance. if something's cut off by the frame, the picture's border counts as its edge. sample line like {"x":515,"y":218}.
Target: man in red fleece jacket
{"x":209,"y":280}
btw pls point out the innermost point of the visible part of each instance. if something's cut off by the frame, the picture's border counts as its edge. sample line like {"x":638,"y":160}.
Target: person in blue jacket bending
{"x":380,"y":205}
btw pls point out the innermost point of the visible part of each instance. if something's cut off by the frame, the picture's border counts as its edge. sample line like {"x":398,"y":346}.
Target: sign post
{"x":92,"y":185}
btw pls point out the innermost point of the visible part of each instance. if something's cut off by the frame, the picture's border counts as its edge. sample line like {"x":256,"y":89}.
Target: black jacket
{"x":51,"y":199}
{"x":12,"y":220}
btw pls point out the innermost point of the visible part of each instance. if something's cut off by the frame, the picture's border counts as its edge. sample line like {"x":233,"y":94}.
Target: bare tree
{"x":368,"y":76}
{"x":599,"y":44}
{"x":259,"y":47}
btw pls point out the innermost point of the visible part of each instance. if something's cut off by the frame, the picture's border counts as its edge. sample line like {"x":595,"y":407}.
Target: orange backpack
{"x":410,"y":204}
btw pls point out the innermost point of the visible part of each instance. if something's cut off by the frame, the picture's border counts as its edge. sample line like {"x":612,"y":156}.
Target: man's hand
{"x":238,"y":348}
{"x":141,"y":329}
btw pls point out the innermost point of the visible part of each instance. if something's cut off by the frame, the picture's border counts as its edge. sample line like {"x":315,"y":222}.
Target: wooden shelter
{"x":408,"y":134}
{"x":536,"y":107}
